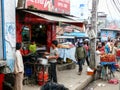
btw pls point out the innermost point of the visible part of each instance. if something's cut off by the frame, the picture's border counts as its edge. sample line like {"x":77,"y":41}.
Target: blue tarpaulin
{"x":76,"y":34}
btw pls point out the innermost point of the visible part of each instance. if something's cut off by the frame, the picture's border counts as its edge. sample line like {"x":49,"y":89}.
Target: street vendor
{"x":53,"y":56}
{"x":115,"y":51}
{"x":97,"y":55}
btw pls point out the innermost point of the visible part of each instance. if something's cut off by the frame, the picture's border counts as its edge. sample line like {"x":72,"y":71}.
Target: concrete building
{"x":101,"y":20}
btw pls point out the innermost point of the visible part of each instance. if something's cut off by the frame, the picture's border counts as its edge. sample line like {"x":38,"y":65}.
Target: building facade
{"x":8,"y":31}
{"x":1,"y":45}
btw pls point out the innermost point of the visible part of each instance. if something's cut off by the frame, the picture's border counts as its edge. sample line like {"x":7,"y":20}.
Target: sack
{"x":53,"y":86}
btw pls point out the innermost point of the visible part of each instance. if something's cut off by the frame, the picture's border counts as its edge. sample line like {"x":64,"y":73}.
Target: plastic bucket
{"x":1,"y":80}
{"x":28,"y":71}
{"x":43,"y":61}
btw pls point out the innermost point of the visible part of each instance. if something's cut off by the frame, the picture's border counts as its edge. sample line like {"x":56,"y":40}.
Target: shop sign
{"x":105,"y":34}
{"x":60,"y":6}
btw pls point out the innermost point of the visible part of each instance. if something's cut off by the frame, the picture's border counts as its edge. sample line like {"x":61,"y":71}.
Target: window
{"x":25,"y":34}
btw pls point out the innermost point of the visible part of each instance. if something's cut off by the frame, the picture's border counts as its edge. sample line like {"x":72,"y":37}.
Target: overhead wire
{"x":118,"y":2}
{"x":116,"y":6}
{"x":109,"y":10}
{"x":115,"y":9}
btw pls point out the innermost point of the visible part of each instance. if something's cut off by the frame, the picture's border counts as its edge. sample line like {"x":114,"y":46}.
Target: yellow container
{"x":68,"y":60}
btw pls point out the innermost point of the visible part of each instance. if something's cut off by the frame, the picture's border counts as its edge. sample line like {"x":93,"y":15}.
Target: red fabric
{"x":118,"y":53}
{"x":102,"y":49}
{"x":86,"y":48}
{"x":113,"y":81}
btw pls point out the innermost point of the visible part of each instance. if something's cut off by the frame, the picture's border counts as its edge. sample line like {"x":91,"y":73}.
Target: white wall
{"x":10,"y":30}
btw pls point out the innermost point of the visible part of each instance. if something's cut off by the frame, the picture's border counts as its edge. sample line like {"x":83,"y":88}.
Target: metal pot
{"x":43,"y":61}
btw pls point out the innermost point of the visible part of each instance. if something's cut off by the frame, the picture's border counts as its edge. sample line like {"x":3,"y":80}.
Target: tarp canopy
{"x":76,"y":34}
{"x":51,"y":17}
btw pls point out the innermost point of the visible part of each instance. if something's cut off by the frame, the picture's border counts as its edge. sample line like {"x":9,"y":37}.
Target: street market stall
{"x":67,"y":51}
{"x":108,"y":62}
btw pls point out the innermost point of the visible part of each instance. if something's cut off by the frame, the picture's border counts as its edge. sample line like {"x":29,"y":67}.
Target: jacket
{"x":80,"y":53}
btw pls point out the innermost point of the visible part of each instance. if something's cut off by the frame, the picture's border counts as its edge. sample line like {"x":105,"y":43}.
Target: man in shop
{"x":53,"y":56}
{"x":32,"y":47}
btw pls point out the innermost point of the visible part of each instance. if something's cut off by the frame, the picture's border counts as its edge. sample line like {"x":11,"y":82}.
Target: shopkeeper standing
{"x":53,"y":60}
{"x":32,"y":47}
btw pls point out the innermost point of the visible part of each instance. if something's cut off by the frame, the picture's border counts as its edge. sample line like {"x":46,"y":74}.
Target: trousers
{"x":18,"y":81}
{"x":52,"y":72}
{"x":80,"y":63}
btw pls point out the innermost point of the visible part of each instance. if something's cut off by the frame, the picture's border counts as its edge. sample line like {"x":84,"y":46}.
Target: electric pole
{"x":94,"y":30}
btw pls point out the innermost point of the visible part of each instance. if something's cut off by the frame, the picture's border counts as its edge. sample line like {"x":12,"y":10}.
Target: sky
{"x":82,"y":6}
{"x":79,"y":7}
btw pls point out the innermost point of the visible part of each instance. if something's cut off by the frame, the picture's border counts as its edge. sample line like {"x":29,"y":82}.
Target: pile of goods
{"x":65,"y":45}
{"x":107,"y":58}
{"x":113,"y":81}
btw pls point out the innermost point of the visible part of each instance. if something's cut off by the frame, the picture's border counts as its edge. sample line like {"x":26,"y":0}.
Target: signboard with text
{"x":60,"y":6}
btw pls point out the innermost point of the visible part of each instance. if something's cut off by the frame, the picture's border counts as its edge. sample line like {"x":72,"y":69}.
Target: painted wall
{"x":9,"y":31}
{"x":1,"y":49}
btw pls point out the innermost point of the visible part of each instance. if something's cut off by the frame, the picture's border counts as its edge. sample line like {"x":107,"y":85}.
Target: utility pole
{"x":94,"y":31}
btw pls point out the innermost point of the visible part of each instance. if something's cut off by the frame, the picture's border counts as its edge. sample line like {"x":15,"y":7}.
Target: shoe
{"x":79,"y":73}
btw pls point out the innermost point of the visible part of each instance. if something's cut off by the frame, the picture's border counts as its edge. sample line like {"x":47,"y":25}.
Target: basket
{"x":68,"y":60}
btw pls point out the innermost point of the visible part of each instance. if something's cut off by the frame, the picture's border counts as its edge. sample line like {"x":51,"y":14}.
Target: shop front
{"x":31,"y":27}
{"x":39,"y":26}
